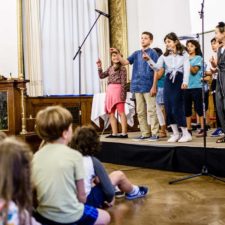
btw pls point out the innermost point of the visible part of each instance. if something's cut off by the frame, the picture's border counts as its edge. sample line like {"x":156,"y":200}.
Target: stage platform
{"x":180,"y":157}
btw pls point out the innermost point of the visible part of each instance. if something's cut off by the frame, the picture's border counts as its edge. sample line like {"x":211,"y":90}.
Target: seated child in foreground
{"x":15,"y":182}
{"x":58,"y":174}
{"x":99,"y":186}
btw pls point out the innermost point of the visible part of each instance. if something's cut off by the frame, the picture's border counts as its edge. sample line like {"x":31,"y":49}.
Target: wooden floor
{"x":199,"y":201}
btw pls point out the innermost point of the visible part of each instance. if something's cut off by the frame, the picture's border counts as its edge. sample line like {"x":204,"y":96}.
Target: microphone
{"x":102,"y":13}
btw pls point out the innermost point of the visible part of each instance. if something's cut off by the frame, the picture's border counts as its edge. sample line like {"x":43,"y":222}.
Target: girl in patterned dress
{"x":115,"y":94}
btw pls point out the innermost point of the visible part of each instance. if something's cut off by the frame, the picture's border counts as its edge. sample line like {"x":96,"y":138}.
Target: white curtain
{"x":64,"y":25}
{"x":32,"y":47}
{"x":103,"y":39}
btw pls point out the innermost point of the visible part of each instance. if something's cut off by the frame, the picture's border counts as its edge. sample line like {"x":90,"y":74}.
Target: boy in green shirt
{"x":58,"y":174}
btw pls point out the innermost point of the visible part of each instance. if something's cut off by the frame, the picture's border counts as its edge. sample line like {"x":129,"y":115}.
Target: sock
{"x":135,"y":190}
{"x":114,"y":134}
{"x":185,"y":131}
{"x":174,"y":129}
{"x":116,"y":188}
{"x":123,"y":134}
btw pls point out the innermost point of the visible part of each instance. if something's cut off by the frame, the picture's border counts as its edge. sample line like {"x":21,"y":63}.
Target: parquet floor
{"x":199,"y":201}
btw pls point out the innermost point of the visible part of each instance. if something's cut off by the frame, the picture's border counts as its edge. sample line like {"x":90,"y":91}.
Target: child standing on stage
{"x":213,"y":72}
{"x":160,"y":109}
{"x":143,"y":84}
{"x":194,"y":91}
{"x":58,"y":174}
{"x":99,"y":186}
{"x":219,"y":63}
{"x":115,"y":94}
{"x":176,"y":63}
{"x":15,"y":182}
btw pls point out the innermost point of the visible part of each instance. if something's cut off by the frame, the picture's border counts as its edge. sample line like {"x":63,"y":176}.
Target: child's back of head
{"x":52,"y":121}
{"x":15,"y":184}
{"x":86,"y":140}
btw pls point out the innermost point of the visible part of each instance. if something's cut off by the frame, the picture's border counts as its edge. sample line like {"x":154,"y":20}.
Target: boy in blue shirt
{"x":143,"y":84}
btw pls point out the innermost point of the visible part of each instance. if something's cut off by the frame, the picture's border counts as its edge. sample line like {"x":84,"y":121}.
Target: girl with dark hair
{"x":194,"y":91}
{"x":99,"y":186}
{"x":219,"y":63}
{"x":115,"y":93}
{"x":176,"y":63}
{"x":15,"y":183}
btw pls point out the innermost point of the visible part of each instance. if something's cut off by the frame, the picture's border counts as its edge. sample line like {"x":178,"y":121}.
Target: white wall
{"x":8,"y":38}
{"x":157,"y":16}
{"x":163,"y":16}
{"x":213,"y":12}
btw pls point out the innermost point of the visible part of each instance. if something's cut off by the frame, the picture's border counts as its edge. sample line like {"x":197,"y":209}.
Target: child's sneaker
{"x":185,"y":138}
{"x":141,"y":193}
{"x":218,"y":132}
{"x":112,"y":136}
{"x":119,"y":194}
{"x":153,"y":138}
{"x":174,"y":138}
{"x":141,"y":138}
{"x":123,"y":136}
{"x":201,"y":133}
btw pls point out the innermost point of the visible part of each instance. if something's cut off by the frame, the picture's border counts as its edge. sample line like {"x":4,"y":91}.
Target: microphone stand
{"x":79,"y":52}
{"x":204,"y":170}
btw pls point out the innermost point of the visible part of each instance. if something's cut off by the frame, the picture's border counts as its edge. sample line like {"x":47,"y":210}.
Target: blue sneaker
{"x":218,"y":132}
{"x":153,"y":138}
{"x":140,"y":138}
{"x":143,"y":191}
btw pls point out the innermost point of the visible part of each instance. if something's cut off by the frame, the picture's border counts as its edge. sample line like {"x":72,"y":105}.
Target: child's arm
{"x":196,"y":65}
{"x":186,"y":71}
{"x":194,"y":69}
{"x":153,"y":90}
{"x":155,"y":66}
{"x":81,"y":195}
{"x":160,"y":73}
{"x":102,"y":74}
{"x":79,"y":174}
{"x":213,"y":62}
{"x":123,"y":74}
{"x":105,"y":182}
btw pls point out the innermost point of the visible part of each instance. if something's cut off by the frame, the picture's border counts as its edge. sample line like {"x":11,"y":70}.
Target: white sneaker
{"x":174,"y":138}
{"x":185,"y":138}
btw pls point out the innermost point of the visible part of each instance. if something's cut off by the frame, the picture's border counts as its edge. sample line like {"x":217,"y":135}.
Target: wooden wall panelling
{"x":12,"y":87}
